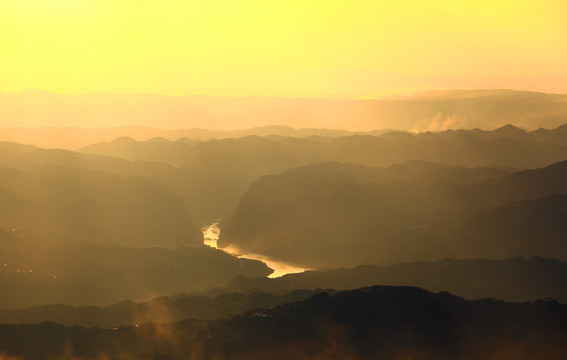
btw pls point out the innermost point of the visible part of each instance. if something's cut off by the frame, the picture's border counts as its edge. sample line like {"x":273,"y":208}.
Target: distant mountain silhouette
{"x":511,"y":131}
{"x":9,"y":149}
{"x":427,"y":111}
{"x":158,"y":149}
{"x":204,"y":165}
{"x":329,"y":214}
{"x":468,"y":147}
{"x":368,"y":323}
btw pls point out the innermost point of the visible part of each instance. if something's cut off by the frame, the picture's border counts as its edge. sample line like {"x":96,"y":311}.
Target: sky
{"x":299,"y":48}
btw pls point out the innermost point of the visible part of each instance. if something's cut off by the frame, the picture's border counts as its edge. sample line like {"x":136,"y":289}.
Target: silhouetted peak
{"x":422,"y":166}
{"x":124,"y":140}
{"x":508,"y":130}
{"x":398,"y":136}
{"x":158,"y":140}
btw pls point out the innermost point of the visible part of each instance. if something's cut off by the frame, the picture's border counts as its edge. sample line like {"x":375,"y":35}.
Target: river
{"x":211,"y":235}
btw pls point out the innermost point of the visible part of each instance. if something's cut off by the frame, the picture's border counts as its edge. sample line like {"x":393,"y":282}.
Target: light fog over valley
{"x":252,"y":180}
{"x":122,"y":235}
{"x":128,"y":232}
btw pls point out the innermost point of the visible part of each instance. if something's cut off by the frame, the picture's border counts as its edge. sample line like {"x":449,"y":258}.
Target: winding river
{"x":211,"y":235}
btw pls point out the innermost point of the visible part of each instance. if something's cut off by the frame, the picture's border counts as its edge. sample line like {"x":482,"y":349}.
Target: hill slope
{"x":330,"y":214}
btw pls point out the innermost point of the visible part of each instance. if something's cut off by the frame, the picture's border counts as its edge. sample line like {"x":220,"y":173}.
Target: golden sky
{"x":281,"y":48}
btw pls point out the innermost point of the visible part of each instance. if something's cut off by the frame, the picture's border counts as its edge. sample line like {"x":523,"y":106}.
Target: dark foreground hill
{"x":369,"y":323}
{"x":332,"y":214}
{"x":514,"y":279}
{"x":35,"y":270}
{"x":208,"y":305}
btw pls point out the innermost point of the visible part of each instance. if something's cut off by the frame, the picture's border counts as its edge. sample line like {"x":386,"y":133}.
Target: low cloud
{"x":440,"y":122}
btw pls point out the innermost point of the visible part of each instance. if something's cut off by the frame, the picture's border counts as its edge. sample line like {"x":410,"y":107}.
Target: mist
{"x":65,"y":121}
{"x":419,"y":227}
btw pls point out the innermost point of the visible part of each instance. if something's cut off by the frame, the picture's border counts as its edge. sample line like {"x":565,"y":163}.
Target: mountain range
{"x":143,"y":113}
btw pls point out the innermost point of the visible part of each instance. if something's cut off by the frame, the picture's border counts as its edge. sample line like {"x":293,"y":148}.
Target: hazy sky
{"x":292,"y":48}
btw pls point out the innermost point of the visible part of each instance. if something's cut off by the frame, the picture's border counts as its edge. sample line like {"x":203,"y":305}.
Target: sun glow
{"x":39,"y":8}
{"x":255,"y":47}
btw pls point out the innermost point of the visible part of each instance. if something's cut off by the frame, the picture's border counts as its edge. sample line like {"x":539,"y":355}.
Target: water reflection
{"x":211,"y":236}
